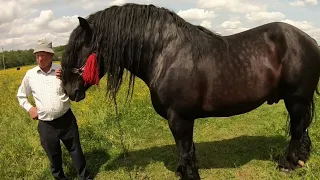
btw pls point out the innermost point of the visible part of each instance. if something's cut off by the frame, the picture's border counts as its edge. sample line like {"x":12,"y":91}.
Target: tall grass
{"x":239,"y":147}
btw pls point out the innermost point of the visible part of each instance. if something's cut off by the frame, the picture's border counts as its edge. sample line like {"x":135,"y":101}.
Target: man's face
{"x":44,"y":59}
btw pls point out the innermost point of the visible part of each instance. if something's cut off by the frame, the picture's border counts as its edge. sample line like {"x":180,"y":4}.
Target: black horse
{"x":194,"y":73}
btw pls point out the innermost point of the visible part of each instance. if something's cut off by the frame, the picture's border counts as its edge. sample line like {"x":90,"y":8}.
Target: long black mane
{"x":121,"y":33}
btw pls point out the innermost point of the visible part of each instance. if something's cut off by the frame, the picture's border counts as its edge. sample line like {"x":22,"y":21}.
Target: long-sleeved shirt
{"x":50,"y":98}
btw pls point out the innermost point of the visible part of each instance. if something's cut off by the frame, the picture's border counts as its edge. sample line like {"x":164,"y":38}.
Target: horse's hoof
{"x":179,"y":172}
{"x":285,"y":167}
{"x":285,"y":170}
{"x":300,"y":163}
{"x":178,"y":175}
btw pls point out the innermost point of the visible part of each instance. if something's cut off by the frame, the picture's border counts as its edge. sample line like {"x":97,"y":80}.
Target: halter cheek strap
{"x":79,"y":70}
{"x":89,"y":71}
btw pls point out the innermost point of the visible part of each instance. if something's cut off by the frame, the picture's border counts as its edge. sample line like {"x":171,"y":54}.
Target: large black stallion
{"x":194,"y":73}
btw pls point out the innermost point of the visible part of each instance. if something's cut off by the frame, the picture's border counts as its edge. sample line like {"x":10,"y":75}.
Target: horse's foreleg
{"x":182,"y":130}
{"x":298,"y":151}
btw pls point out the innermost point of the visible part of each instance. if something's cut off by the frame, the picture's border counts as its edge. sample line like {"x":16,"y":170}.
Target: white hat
{"x":43,"y":45}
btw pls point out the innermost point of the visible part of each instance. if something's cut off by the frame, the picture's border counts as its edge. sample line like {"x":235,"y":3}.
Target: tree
{"x":19,"y":58}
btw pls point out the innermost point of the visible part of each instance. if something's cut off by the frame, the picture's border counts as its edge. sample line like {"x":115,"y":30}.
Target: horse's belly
{"x":236,"y":109}
{"x":240,"y":95}
{"x":236,"y":100}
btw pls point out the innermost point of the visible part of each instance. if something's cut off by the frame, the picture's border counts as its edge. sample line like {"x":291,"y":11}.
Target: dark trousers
{"x":65,"y":129}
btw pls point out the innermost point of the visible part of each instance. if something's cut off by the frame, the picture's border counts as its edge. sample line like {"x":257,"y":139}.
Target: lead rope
{"x":125,"y":151}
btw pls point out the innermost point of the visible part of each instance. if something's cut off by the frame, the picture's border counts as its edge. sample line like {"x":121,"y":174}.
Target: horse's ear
{"x":88,"y":30}
{"x":84,"y":24}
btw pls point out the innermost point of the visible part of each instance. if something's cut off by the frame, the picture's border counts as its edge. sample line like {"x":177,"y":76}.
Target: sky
{"x":23,"y":22}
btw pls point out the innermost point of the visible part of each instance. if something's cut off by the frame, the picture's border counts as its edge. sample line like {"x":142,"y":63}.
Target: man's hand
{"x":58,"y":73}
{"x":33,"y":112}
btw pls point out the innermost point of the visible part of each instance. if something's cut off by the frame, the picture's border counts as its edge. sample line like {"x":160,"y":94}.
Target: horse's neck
{"x":141,"y":72}
{"x":153,"y":46}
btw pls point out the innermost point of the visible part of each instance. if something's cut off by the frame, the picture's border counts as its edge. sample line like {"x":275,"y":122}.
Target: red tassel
{"x":91,"y":71}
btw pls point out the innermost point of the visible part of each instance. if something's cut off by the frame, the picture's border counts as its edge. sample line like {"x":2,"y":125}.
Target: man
{"x":56,"y":120}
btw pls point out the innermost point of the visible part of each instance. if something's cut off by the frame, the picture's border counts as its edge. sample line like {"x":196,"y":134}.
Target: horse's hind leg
{"x":300,"y":109}
{"x":182,"y":131}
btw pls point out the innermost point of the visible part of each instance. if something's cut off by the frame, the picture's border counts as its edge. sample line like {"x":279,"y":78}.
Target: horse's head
{"x":79,"y":64}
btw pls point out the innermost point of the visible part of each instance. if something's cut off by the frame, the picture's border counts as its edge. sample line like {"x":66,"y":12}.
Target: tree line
{"x":17,"y":58}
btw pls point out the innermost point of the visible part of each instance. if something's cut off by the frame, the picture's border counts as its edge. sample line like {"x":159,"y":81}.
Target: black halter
{"x":81,"y":69}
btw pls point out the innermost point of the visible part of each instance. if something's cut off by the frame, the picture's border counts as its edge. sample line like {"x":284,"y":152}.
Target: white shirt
{"x":50,"y":98}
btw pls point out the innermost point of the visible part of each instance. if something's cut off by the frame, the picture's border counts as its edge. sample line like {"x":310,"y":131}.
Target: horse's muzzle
{"x":79,"y":95}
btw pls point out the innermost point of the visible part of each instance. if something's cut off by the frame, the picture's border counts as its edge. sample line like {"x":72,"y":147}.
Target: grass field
{"x":239,"y":147}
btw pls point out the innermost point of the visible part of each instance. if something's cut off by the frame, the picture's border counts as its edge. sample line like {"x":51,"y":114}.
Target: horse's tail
{"x":314,"y":114}
{"x":318,"y":93}
{"x":317,"y":88}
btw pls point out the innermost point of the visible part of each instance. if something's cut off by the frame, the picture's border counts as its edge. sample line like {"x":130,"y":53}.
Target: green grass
{"x":239,"y":147}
